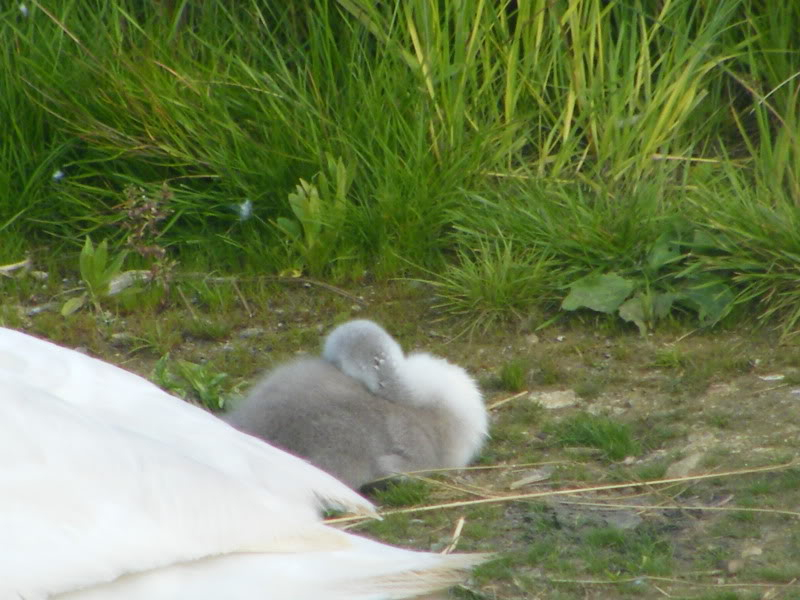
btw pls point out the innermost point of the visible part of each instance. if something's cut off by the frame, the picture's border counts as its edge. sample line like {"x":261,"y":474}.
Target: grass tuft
{"x":613,"y":438}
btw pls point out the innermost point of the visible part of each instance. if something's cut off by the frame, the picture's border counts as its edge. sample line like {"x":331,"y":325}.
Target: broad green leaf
{"x":665,"y":250}
{"x":86,"y":259}
{"x":633,"y":311}
{"x":73,"y":305}
{"x":645,"y":309}
{"x":662,"y":304}
{"x":298,"y":201}
{"x":100,"y":259}
{"x":289,"y":227}
{"x":603,"y":293}
{"x":712,"y":299}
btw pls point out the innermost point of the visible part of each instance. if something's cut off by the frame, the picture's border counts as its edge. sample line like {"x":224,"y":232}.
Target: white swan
{"x":112,"y":489}
{"x":365,"y":411}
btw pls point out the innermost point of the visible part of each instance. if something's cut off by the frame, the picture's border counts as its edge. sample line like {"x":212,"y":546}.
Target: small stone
{"x":531,"y":339}
{"x":750,"y":551}
{"x":251,"y":332}
{"x":557,"y":399}
{"x":122,"y":339}
{"x":126,"y":279}
{"x":734,"y":566}
{"x":533,"y":476}
{"x":685,"y":466}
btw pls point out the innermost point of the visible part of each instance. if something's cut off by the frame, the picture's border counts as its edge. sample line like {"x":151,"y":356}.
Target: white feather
{"x":436,"y":382}
{"x":123,"y":399}
{"x":111,"y":488}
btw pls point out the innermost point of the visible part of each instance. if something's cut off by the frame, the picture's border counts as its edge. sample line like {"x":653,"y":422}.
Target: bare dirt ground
{"x":717,"y":413}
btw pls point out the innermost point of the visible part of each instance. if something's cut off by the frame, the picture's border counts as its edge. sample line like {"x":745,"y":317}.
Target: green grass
{"x":613,"y":438}
{"x":513,"y":376}
{"x":402,"y":493}
{"x":504,"y":151}
{"x":611,"y":550}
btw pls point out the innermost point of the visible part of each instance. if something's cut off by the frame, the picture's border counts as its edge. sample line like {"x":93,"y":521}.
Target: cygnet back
{"x":313,"y":410}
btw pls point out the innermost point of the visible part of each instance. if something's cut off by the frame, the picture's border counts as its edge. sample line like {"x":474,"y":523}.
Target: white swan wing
{"x":366,"y":571}
{"x":130,"y":402}
{"x":83,"y":502}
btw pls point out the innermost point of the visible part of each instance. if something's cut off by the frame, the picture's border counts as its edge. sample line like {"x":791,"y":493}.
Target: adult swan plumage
{"x":112,"y":488}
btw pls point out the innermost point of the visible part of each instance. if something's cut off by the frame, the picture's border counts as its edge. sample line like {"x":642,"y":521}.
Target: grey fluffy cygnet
{"x":364,"y":410}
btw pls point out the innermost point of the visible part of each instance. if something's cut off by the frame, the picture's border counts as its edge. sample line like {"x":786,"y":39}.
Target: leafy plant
{"x":196,"y":382}
{"x":319,"y":211}
{"x":97,"y":273}
{"x":649,"y":293}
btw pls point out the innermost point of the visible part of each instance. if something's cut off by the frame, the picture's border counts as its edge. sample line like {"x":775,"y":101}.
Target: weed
{"x":208,"y":329}
{"x":319,"y":210}
{"x":497,"y":569}
{"x":525,"y":412}
{"x":720,"y":420}
{"x":493,"y":283}
{"x":392,"y":528}
{"x":653,"y":470}
{"x":405,"y":492}
{"x":98,"y":275}
{"x":670,"y":357}
{"x":590,"y":387}
{"x":192,"y":381}
{"x":513,"y":376}
{"x":142,"y":215}
{"x":548,"y":371}
{"x":611,"y":550}
{"x":612,"y":438}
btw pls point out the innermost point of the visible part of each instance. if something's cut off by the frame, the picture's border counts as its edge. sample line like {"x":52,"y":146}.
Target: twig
{"x":596,"y":488}
{"x":506,"y":400}
{"x":615,"y":486}
{"x":684,"y":336}
{"x":188,"y":304}
{"x":474,"y":491}
{"x":243,"y":299}
{"x":455,"y":537}
{"x":773,"y":388}
{"x":8,"y":269}
{"x":651,"y":578}
{"x":662,"y":592}
{"x":643,"y":507}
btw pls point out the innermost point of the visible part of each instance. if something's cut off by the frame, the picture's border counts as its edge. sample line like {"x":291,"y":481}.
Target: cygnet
{"x":364,"y":411}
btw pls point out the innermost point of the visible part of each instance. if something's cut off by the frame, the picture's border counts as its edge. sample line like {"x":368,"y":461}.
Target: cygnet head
{"x":363,"y":350}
